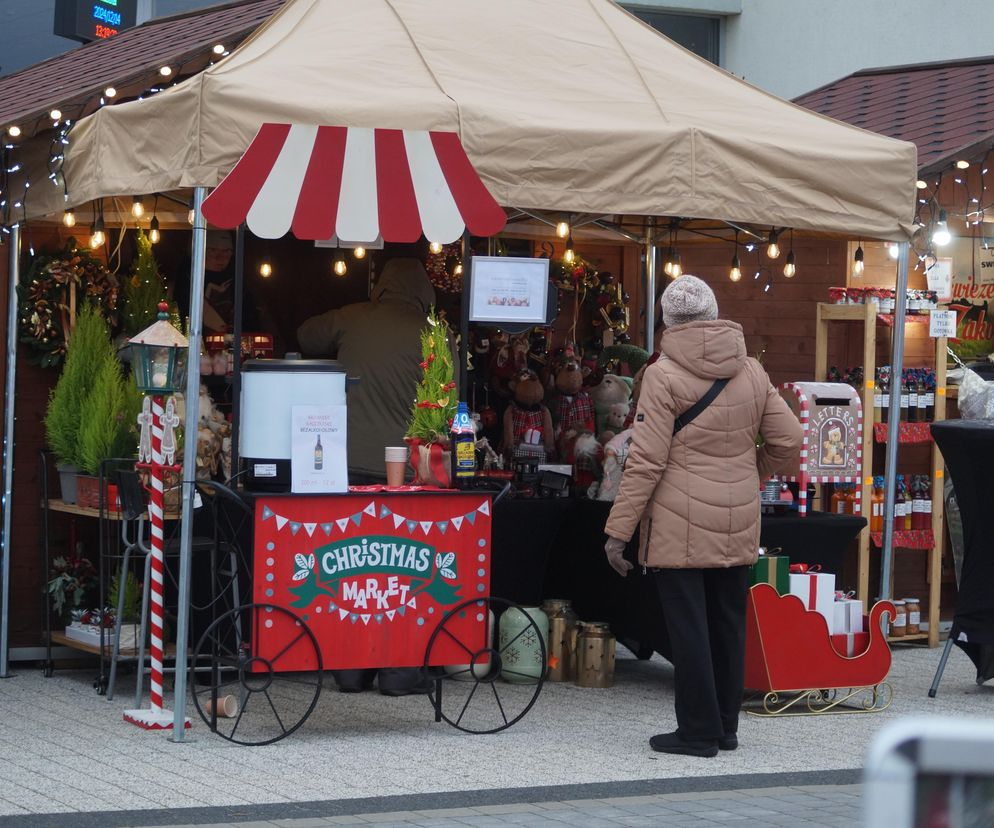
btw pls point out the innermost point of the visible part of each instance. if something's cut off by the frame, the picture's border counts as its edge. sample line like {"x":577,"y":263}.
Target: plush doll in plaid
{"x":527,"y":422}
{"x":574,"y":409}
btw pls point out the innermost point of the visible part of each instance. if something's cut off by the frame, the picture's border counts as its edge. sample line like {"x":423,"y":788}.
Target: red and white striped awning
{"x":355,"y":183}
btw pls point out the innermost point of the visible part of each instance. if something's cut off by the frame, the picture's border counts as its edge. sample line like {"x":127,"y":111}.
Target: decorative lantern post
{"x":158,"y":358}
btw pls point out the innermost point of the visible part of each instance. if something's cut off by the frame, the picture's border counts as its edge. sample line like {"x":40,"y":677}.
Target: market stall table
{"x":818,"y":538}
{"x":967,"y":447}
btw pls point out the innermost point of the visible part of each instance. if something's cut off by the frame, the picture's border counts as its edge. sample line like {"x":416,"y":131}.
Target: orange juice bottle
{"x":877,"y":505}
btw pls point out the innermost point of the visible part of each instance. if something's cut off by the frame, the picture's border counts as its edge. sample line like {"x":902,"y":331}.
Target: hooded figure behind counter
{"x":378,"y":341}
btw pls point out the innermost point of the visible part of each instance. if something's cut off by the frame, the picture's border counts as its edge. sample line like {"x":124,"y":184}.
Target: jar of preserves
{"x":900,"y":626}
{"x":913,"y":609}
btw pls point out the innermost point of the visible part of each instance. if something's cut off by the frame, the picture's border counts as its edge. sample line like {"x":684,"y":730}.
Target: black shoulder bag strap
{"x":695,"y":410}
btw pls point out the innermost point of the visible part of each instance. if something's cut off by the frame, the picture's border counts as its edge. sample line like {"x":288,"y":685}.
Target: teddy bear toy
{"x":528,"y":432}
{"x":574,"y":407}
{"x":614,"y":422}
{"x":610,"y":391}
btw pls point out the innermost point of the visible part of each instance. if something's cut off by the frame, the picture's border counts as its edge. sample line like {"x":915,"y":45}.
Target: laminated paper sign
{"x":318,"y":458}
{"x":372,"y":576}
{"x":817,"y":591}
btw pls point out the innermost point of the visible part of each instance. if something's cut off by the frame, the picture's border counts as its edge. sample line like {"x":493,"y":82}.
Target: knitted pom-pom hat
{"x":688,"y":299}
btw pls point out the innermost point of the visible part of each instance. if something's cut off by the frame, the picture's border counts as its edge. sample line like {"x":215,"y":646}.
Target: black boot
{"x":673,"y":743}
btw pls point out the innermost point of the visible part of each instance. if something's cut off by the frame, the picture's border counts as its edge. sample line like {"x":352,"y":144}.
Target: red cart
{"x":369,"y":579}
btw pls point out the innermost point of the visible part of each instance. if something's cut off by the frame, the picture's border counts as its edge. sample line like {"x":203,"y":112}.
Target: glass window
{"x":694,"y":32}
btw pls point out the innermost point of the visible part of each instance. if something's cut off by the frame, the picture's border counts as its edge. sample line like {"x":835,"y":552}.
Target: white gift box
{"x":848,"y":616}
{"x":817,"y":592}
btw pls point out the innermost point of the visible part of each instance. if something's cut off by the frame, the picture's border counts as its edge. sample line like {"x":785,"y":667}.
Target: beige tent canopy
{"x":560,"y":105}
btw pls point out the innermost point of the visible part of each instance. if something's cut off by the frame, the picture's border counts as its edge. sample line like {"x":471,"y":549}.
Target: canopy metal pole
{"x":650,"y":289}
{"x":894,"y":418}
{"x":189,"y":461}
{"x":13,"y":274}
{"x":236,"y":377}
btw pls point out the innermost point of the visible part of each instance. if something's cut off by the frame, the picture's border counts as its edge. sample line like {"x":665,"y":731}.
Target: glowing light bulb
{"x":962,"y":164}
{"x":735,"y":274}
{"x":921,"y":185}
{"x":69,"y":218}
{"x":55,"y":114}
{"x":677,"y":270}
{"x":457,"y":270}
{"x":359,"y":252}
{"x":97,"y":239}
{"x":13,"y":131}
{"x":569,"y":256}
{"x":110,"y":92}
{"x":166,"y":71}
{"x":218,"y":49}
{"x":435,"y":247}
{"x":265,"y":270}
{"x":790,"y":268}
{"x":941,"y":236}
{"x":340,"y":268}
{"x":858,"y":263}
{"x":190,"y":215}
{"x":153,"y":230}
{"x":562,"y":229}
{"x":772,"y":248}
{"x":893,"y":250}
{"x":137,"y":208}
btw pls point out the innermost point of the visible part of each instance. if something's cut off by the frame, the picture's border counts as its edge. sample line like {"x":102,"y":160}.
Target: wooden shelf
{"x":909,"y":319}
{"x":897,"y":639}
{"x":55,"y":505}
{"x":94,"y":649}
{"x":909,"y":434}
{"x":860,"y":313}
{"x":920,"y":539}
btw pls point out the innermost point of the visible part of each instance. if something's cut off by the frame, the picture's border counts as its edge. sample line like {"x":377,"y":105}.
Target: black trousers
{"x":704,"y":611}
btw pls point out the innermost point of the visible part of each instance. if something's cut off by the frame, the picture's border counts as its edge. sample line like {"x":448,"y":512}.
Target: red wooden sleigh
{"x":791,"y":660}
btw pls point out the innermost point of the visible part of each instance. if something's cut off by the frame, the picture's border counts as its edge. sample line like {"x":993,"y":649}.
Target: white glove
{"x":615,"y":551}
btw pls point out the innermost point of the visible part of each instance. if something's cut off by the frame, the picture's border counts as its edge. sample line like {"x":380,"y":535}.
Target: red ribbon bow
{"x":803,"y":568}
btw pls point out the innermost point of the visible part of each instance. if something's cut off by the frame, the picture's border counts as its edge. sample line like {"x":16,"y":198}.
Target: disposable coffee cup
{"x":396,"y":461}
{"x":227,"y":707}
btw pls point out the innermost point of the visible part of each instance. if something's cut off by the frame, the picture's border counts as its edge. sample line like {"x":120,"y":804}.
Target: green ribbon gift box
{"x":774,"y":570}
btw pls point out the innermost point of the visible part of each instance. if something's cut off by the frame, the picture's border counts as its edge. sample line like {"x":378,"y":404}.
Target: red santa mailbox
{"x":832,"y":452}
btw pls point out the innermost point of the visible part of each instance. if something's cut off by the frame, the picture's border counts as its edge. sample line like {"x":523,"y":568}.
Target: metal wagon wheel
{"x":489,"y":690}
{"x":251,"y":697}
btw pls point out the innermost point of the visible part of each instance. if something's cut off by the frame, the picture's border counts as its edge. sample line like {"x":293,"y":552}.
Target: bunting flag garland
{"x":381,"y":513}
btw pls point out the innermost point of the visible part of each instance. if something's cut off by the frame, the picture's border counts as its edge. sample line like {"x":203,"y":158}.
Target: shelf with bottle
{"x":912,"y":512}
{"x":917,"y":399}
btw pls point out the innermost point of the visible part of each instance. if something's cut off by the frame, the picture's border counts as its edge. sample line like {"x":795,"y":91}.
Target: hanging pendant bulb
{"x":941,"y":236}
{"x":858,"y":264}
{"x":563,"y":229}
{"x":772,"y":248}
{"x":668,"y":262}
{"x":790,"y":268}
{"x":69,"y":218}
{"x":153,"y":230}
{"x":570,"y":255}
{"x":190,"y":215}
{"x":339,"y":266}
{"x":435,"y":247}
{"x":893,"y":250}
{"x":265,"y":270}
{"x":677,"y":270}
{"x":359,"y":252}
{"x":137,"y":208}
{"x":735,"y":274}
{"x":98,"y":237}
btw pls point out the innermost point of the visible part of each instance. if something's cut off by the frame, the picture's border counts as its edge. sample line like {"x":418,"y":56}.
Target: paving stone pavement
{"x":65,"y":750}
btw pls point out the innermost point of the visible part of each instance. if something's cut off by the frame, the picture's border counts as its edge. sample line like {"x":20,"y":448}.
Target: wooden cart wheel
{"x":483,"y":693}
{"x":249,"y":695}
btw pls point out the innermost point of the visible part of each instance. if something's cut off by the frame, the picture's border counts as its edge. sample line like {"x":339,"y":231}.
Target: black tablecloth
{"x":555,"y":549}
{"x":968,"y":449}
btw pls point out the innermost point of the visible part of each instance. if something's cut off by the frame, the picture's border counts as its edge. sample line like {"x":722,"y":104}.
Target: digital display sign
{"x":87,"y":20}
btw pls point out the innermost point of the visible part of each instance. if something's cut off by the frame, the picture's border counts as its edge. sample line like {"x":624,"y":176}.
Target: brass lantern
{"x":158,"y":357}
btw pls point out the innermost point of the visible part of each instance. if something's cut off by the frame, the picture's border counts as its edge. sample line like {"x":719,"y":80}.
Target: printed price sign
{"x":318,"y":453}
{"x":939,"y":276}
{"x":942,"y":323}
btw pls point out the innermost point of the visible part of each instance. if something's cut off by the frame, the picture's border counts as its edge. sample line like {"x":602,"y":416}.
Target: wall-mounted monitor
{"x":508,"y":290}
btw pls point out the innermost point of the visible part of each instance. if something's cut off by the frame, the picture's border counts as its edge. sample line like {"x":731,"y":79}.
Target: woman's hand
{"x":615,"y":551}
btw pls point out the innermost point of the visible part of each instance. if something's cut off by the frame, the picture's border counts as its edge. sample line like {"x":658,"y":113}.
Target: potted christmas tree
{"x":143,"y":289}
{"x":434,"y":407}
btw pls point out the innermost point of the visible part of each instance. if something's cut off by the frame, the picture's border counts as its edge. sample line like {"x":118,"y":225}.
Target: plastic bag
{"x":976,"y":396}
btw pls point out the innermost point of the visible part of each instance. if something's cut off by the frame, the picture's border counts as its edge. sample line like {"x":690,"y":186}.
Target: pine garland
{"x":436,"y":402}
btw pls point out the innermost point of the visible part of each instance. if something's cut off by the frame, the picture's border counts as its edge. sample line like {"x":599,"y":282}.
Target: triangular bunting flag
{"x":391,"y":614}
{"x":267,"y":513}
{"x":457,"y":522}
{"x":413,"y":603}
{"x":484,"y":508}
{"x":357,"y":518}
{"x":442,"y":526}
{"x":370,"y":509}
{"x":426,"y":526}
{"x":365,"y":618}
{"x":342,"y":523}
{"x":378,"y":617}
{"x":412,"y":525}
{"x":384,"y":510}
{"x":471,"y":517}
{"x":401,"y":610}
{"x":397,"y":520}
{"x":294,"y":527}
{"x":310,"y":527}
{"x":353,"y":618}
{"x":327,"y":528}
{"x":343,"y":613}
{"x":281,"y":522}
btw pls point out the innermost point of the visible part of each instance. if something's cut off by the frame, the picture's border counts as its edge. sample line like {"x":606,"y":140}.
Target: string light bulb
{"x":166,"y":71}
{"x":55,"y":114}
{"x":265,"y":270}
{"x":13,"y":131}
{"x":110,"y":92}
{"x":218,"y":49}
{"x":569,"y":256}
{"x":340,"y":267}
{"x":153,"y":230}
{"x":893,"y":250}
{"x":735,"y":274}
{"x":137,"y":208}
{"x":98,"y":237}
{"x":668,"y":262}
{"x":359,"y":252}
{"x":941,"y":236}
{"x":457,"y":270}
{"x":190,"y":215}
{"x":962,"y":164}
{"x":790,"y":267}
{"x":921,"y":185}
{"x":676,"y":270}
{"x":69,"y":218}
{"x":858,"y":263}
{"x":772,"y":248}
{"x":435,"y":247}
{"x":563,"y":229}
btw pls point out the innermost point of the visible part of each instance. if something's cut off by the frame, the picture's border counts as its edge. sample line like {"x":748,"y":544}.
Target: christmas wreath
{"x":46,"y":304}
{"x":445,"y":268}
